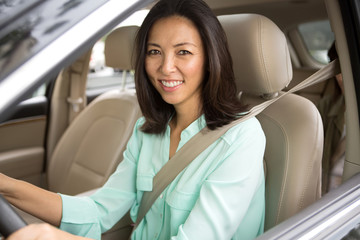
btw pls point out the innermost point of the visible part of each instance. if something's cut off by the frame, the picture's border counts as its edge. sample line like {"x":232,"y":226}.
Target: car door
{"x":22,"y":140}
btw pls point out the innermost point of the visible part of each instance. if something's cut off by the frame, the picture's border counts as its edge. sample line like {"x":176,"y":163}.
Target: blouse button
{"x":161,"y":195}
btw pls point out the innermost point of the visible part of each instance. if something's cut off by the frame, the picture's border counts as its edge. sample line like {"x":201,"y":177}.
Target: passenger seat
{"x":92,"y":146}
{"x":292,"y":125}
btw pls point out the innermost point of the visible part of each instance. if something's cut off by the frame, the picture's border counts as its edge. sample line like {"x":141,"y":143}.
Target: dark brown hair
{"x":220,"y":103}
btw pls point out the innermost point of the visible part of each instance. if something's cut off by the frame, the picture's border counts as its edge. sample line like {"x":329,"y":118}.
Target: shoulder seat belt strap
{"x":206,"y":137}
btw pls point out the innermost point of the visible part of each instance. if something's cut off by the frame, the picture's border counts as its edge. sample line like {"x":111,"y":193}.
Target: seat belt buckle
{"x":75,"y":103}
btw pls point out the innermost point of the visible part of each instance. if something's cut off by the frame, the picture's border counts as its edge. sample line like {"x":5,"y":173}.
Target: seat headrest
{"x":119,"y":46}
{"x":260,"y":53}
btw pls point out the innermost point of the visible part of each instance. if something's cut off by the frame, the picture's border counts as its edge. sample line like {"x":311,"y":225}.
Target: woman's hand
{"x":42,"y":231}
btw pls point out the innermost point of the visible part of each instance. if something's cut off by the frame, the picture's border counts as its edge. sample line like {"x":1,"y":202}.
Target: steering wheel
{"x":10,"y":221}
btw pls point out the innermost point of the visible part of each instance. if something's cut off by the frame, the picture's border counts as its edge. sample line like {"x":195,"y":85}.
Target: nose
{"x":167,"y":64}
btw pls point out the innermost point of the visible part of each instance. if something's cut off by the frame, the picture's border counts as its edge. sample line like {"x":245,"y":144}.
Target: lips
{"x":170,"y":85}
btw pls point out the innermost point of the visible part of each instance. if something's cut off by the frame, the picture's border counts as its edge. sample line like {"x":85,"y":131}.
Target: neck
{"x":184,"y":117}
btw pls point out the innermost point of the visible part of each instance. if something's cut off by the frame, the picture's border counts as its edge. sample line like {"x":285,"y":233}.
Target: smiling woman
{"x":181,"y":89}
{"x":218,"y":95}
{"x":185,"y":83}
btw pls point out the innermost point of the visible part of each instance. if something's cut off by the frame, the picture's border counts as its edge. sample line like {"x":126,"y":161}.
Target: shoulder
{"x":139,"y":123}
{"x":243,"y":157}
{"x":137,"y":127}
{"x":249,"y":130}
{"x":137,"y":134}
{"x":142,"y":136}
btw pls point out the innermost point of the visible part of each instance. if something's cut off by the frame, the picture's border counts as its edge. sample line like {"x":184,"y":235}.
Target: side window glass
{"x":41,"y":91}
{"x":318,"y":38}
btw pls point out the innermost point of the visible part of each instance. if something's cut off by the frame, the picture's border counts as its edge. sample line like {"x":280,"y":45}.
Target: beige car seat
{"x":92,"y":146}
{"x":292,"y":125}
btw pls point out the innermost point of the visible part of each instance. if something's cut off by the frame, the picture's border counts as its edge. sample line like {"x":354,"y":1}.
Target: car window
{"x":318,"y":38}
{"x":41,"y":91}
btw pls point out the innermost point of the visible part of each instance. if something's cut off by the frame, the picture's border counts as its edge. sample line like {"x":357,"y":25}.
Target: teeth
{"x":171,"y":83}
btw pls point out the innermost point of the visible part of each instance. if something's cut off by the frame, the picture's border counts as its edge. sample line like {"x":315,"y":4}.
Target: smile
{"x":171,"y":84}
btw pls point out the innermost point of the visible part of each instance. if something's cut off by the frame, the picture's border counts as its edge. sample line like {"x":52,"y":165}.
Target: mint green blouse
{"x":220,"y":195}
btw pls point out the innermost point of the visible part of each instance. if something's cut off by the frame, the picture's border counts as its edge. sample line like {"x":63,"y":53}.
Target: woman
{"x":184,"y":82}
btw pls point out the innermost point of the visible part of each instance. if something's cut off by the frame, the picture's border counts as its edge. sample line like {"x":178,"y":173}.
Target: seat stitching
{"x":310,"y":167}
{"x":86,"y":168}
{"x":263,"y":57}
{"x":285,"y":173}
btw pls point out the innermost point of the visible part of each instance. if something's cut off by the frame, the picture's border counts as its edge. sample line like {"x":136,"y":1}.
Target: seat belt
{"x":78,"y":72}
{"x":206,"y":137}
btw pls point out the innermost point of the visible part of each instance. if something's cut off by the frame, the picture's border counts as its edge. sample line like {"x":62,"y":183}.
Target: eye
{"x":184,"y":52}
{"x":153,"y":52}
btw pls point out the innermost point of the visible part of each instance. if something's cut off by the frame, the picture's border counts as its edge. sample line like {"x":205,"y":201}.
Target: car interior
{"x":76,"y":145}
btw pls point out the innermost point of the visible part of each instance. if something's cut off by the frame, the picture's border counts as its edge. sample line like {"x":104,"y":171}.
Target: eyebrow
{"x":153,"y":44}
{"x":184,"y":43}
{"x":176,"y":45}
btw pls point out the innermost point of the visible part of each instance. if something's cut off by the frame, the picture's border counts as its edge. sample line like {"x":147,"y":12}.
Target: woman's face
{"x":175,"y":61}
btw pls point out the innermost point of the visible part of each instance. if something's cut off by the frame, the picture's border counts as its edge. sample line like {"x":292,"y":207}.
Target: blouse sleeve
{"x":232,"y":198}
{"x":90,"y":216}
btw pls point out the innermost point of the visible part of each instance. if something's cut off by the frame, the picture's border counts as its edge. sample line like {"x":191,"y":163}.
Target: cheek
{"x":148,"y":66}
{"x":150,"y":70}
{"x":196,"y":68}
